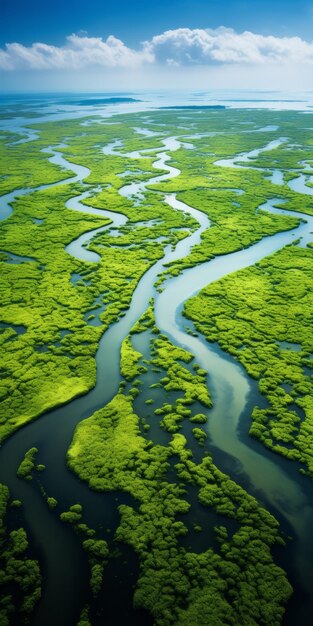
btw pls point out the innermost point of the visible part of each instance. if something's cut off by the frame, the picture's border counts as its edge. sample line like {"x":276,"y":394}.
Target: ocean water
{"x":35,"y":107}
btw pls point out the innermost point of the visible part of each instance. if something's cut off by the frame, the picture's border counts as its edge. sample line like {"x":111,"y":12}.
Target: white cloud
{"x":180,"y":47}
{"x":79,"y":52}
{"x":223,"y":45}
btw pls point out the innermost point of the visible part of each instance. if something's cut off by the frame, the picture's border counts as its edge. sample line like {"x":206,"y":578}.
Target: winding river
{"x":64,"y":563}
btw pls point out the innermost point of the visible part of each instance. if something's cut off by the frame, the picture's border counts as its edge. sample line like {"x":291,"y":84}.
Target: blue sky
{"x":27,"y":21}
{"x":280,"y":40}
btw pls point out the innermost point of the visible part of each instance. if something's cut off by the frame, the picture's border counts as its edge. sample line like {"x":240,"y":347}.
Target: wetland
{"x":156,"y":416}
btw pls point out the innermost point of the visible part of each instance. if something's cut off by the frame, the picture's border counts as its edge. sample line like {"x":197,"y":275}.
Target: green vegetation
{"x":72,"y":516}
{"x":97,"y":549}
{"x":174,"y":582}
{"x":28,"y":464}
{"x":84,"y":618}
{"x":52,"y":502}
{"x":20,"y":580}
{"x":129,"y":360}
{"x":192,"y":387}
{"x":199,"y":434}
{"x":16,"y":504}
{"x":198,"y":419}
{"x":262,"y":316}
{"x":27,"y":168}
{"x":178,"y":585}
{"x":97,"y":552}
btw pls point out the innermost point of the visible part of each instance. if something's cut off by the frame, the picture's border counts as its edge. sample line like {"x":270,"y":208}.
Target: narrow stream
{"x":246,"y":157}
{"x":80,"y":173}
{"x":299,"y":184}
{"x":65,"y":565}
{"x":77,"y":248}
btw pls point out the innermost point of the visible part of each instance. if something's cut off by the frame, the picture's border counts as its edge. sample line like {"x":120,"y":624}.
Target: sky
{"x":125,"y":45}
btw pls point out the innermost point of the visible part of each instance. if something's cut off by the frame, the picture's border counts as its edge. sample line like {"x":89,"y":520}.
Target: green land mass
{"x":262,"y":316}
{"x":233,"y":580}
{"x":150,"y":441}
{"x":20,"y":579}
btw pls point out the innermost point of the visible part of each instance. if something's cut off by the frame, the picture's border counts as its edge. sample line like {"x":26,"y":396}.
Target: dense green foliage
{"x":26,"y":168}
{"x":28,"y":464}
{"x":97,"y":549}
{"x":234,"y":579}
{"x":20,"y":580}
{"x":84,"y":618}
